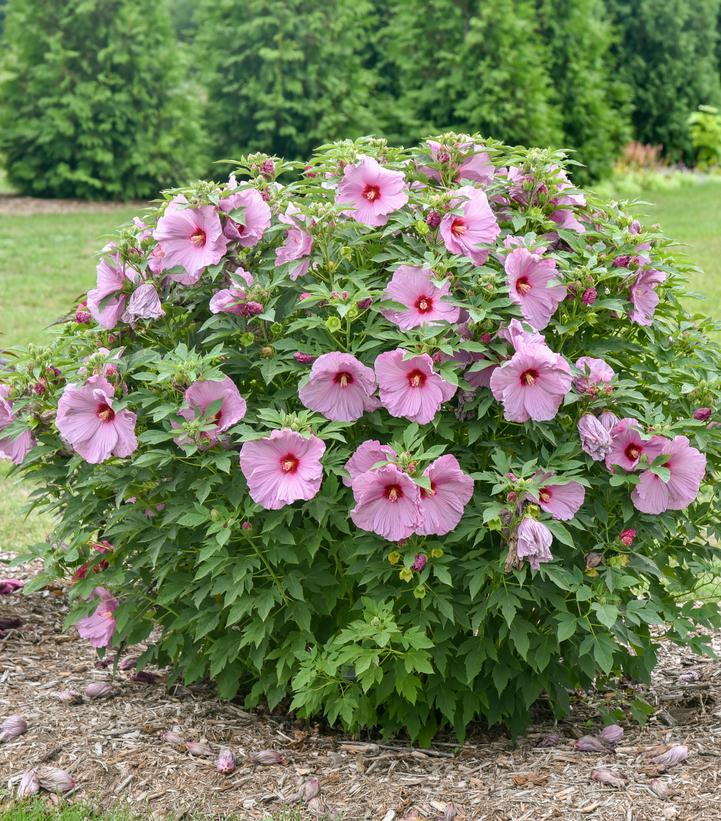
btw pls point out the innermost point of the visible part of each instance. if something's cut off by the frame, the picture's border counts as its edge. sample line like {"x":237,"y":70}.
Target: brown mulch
{"x":114,"y":751}
{"x":15,"y":205}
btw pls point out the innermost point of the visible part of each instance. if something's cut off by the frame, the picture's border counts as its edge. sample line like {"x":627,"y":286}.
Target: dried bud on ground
{"x":309,"y":790}
{"x":10,"y":623}
{"x":100,"y":689}
{"x":316,"y":806}
{"x":198,"y":748}
{"x":12,"y":727}
{"x":672,"y":757}
{"x":128,"y":663}
{"x":226,"y":762}
{"x":144,"y":677}
{"x":689,"y":675}
{"x":8,"y":586}
{"x":608,"y":777}
{"x":29,"y":784}
{"x":53,"y":779}
{"x":550,"y":740}
{"x":449,"y":813}
{"x":267,"y":757}
{"x":661,"y":788}
{"x":173,"y":738}
{"x":590,"y":744}
{"x":69,"y":696}
{"x":611,"y":735}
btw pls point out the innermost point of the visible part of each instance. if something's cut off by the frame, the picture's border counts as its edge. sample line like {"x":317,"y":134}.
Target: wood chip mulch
{"x":113,"y":747}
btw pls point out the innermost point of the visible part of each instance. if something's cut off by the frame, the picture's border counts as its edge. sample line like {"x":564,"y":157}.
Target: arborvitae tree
{"x":283,"y":76}
{"x":666,"y":52}
{"x":473,"y":66}
{"x":592,"y":101}
{"x":92,"y":100}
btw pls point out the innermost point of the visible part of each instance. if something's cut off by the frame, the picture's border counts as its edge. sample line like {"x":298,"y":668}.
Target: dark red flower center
{"x":198,"y":238}
{"x":393,"y":492}
{"x":105,"y":413}
{"x":633,"y":451}
{"x":430,"y":492}
{"x":424,"y":304}
{"x":343,"y":378}
{"x":371,"y":192}
{"x":289,"y":463}
{"x":458,"y":227}
{"x":218,"y":417}
{"x":523,"y":286}
{"x":545,"y":495}
{"x":416,"y":378}
{"x":529,"y":377}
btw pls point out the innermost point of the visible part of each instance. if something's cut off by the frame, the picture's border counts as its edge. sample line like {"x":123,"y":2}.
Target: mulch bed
{"x":114,"y":749}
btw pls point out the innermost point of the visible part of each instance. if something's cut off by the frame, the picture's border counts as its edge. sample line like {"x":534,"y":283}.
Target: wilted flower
{"x":144,"y":304}
{"x":171,"y":737}
{"x":689,"y":675}
{"x":267,"y":757}
{"x":226,"y":762}
{"x":534,"y":542}
{"x":144,"y":677}
{"x":675,"y":755}
{"x":590,"y":744}
{"x":611,"y":735}
{"x":198,"y":748}
{"x":419,"y":562}
{"x":593,"y":372}
{"x":661,"y":788}
{"x":99,"y":628}
{"x":29,"y":784}
{"x":609,"y":777}
{"x":596,"y":441}
{"x":589,"y":296}
{"x":308,"y":790}
{"x":69,"y":696}
{"x":16,"y":448}
{"x":128,"y":663}
{"x":8,"y":586}
{"x":100,"y":689}
{"x":643,"y":295}
{"x":53,"y":779}
{"x":12,"y":727}
{"x":593,"y":560}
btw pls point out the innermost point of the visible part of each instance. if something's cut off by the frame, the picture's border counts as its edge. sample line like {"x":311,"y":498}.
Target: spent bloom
{"x":596,"y":440}
{"x":248,"y":217}
{"x":282,"y":468}
{"x":643,"y":296}
{"x":12,"y":727}
{"x":686,"y":466}
{"x":462,"y":233}
{"x":190,"y":238}
{"x":8,"y":586}
{"x":593,"y":372}
{"x":530,"y":277}
{"x":226,"y":762}
{"x":99,"y":628}
{"x":15,"y":448}
{"x":144,"y":303}
{"x":531,"y":384}
{"x":534,"y":542}
{"x":387,"y":503}
{"x":202,"y":394}
{"x":298,"y":244}
{"x":443,"y":504}
{"x":423,"y":299}
{"x":371,"y":191}
{"x":340,"y":387}
{"x":410,"y":388}
{"x":107,"y":301}
{"x":91,"y":425}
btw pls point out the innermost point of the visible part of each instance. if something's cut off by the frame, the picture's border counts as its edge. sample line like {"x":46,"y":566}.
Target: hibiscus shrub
{"x":413,"y":438}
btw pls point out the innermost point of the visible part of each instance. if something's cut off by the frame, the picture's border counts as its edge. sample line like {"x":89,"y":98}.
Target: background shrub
{"x":303,"y":604}
{"x":93,"y":102}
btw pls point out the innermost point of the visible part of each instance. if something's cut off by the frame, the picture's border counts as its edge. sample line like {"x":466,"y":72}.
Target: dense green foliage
{"x":666,"y":53}
{"x":299,"y":602}
{"x":92,"y":100}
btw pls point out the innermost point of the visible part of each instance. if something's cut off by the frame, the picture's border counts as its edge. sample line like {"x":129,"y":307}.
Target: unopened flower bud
{"x":309,"y":790}
{"x":611,"y":735}
{"x":100,"y":689}
{"x":394,"y":557}
{"x":703,"y":414}
{"x":226,"y":762}
{"x":627,"y":536}
{"x":82,"y":317}
{"x":363,"y":304}
{"x":171,"y":737}
{"x":12,"y":727}
{"x":267,"y":757}
{"x":267,"y":168}
{"x":590,"y":744}
{"x":433,"y":219}
{"x":198,"y":748}
{"x":304,"y":358}
{"x":589,"y":296}
{"x":247,"y":526}
{"x":69,"y":696}
{"x":29,"y":784}
{"x":609,"y":777}
{"x":40,"y":387}
{"x":419,"y":562}
{"x":53,"y":779}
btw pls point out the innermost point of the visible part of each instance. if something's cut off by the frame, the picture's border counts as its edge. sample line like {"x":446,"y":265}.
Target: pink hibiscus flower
{"x":248,"y":217}
{"x":298,"y":245}
{"x":477,"y":167}
{"x":594,"y":372}
{"x":204,"y":393}
{"x":106,"y":302}
{"x":190,"y":238}
{"x":373,"y":192}
{"x":387,"y":503}
{"x":410,"y":387}
{"x":561,"y":501}
{"x":340,"y":387}
{"x":518,"y":336}
{"x":595,"y":437}
{"x":442,"y":506}
{"x":87,"y":421}
{"x":282,"y":468}
{"x":531,"y":384}
{"x":627,"y":445}
{"x":233,"y":300}
{"x":144,"y":304}
{"x":413,"y":287}
{"x":14,"y":448}
{"x":99,"y":628}
{"x":366,"y":455}
{"x":476,"y":224}
{"x":643,"y":295}
{"x":534,"y":542}
{"x":529,"y":277}
{"x":687,"y":467}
